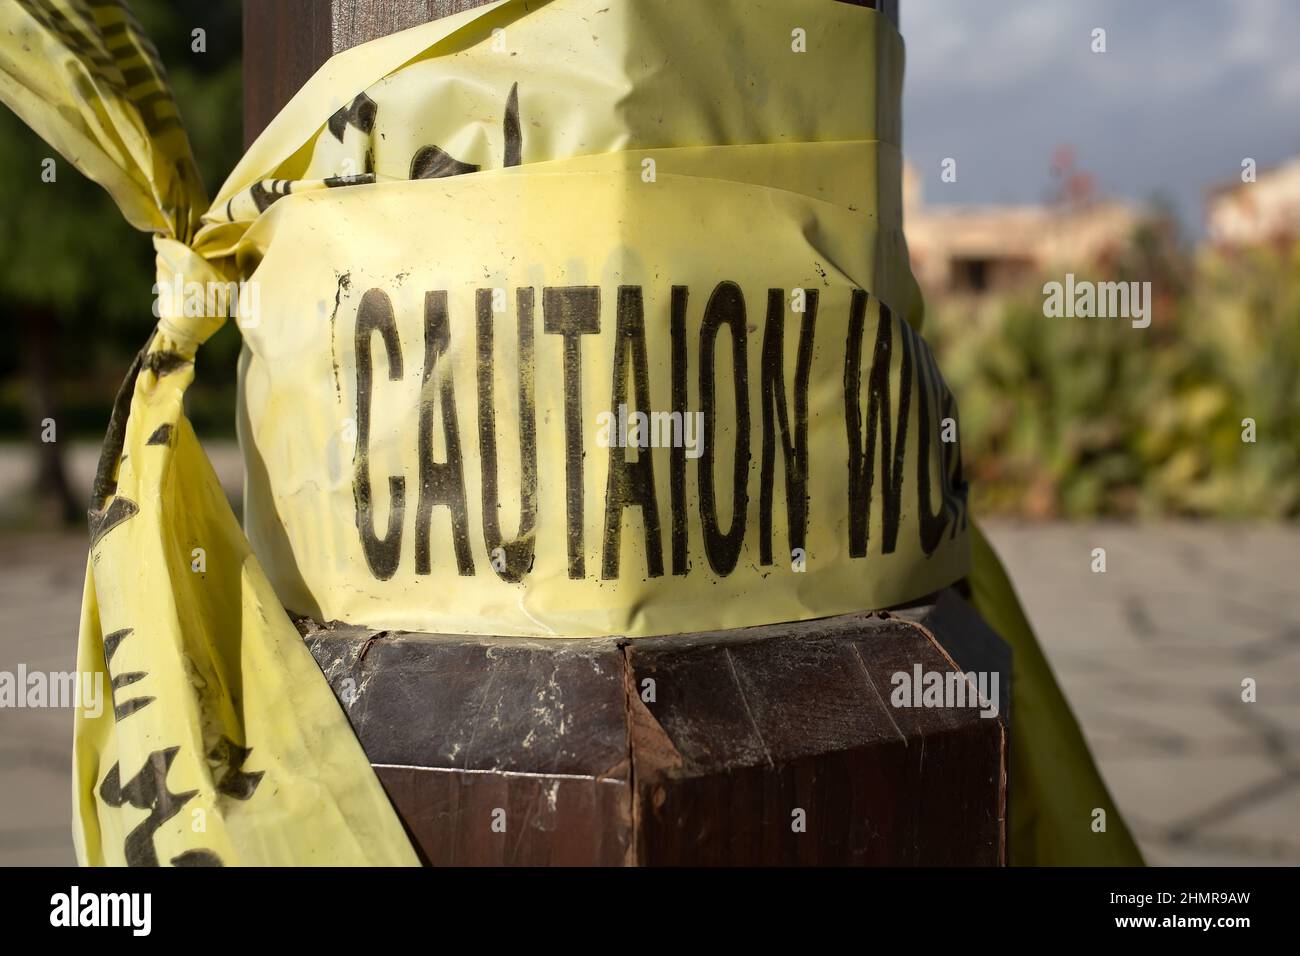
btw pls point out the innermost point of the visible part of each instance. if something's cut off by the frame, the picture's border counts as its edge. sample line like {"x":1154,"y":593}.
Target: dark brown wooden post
{"x":763,"y":745}
{"x":286,"y":41}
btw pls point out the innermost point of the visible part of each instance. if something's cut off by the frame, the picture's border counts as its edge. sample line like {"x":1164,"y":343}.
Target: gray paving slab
{"x":1152,"y":655}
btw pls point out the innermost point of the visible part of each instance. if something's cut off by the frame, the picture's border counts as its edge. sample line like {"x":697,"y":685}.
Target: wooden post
{"x":764,"y":745}
{"x":286,"y":41}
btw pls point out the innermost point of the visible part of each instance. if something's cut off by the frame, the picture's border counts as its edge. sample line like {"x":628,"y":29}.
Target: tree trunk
{"x":51,"y":487}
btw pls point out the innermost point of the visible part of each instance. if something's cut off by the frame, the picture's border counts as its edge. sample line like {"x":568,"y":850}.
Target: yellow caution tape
{"x":647,"y":370}
{"x":564,"y":319}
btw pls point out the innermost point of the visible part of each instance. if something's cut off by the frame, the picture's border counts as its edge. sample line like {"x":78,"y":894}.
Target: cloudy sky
{"x":1186,"y":89}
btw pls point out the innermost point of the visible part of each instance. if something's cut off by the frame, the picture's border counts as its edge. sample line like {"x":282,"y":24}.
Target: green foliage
{"x":1083,"y":417}
{"x":71,"y":259}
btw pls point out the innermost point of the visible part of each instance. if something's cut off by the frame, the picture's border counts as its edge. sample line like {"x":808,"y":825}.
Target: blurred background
{"x":1122,"y":165}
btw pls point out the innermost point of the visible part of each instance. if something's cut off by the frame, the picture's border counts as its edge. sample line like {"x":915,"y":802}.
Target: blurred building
{"x":992,"y":248}
{"x":1249,"y":214}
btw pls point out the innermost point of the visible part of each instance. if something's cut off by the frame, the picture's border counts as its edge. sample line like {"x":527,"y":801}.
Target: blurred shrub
{"x":1084,"y":417}
{"x":73,"y":264}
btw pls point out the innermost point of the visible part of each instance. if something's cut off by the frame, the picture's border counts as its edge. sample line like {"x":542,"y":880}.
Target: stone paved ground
{"x":40,"y":597}
{"x":1151,"y":654}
